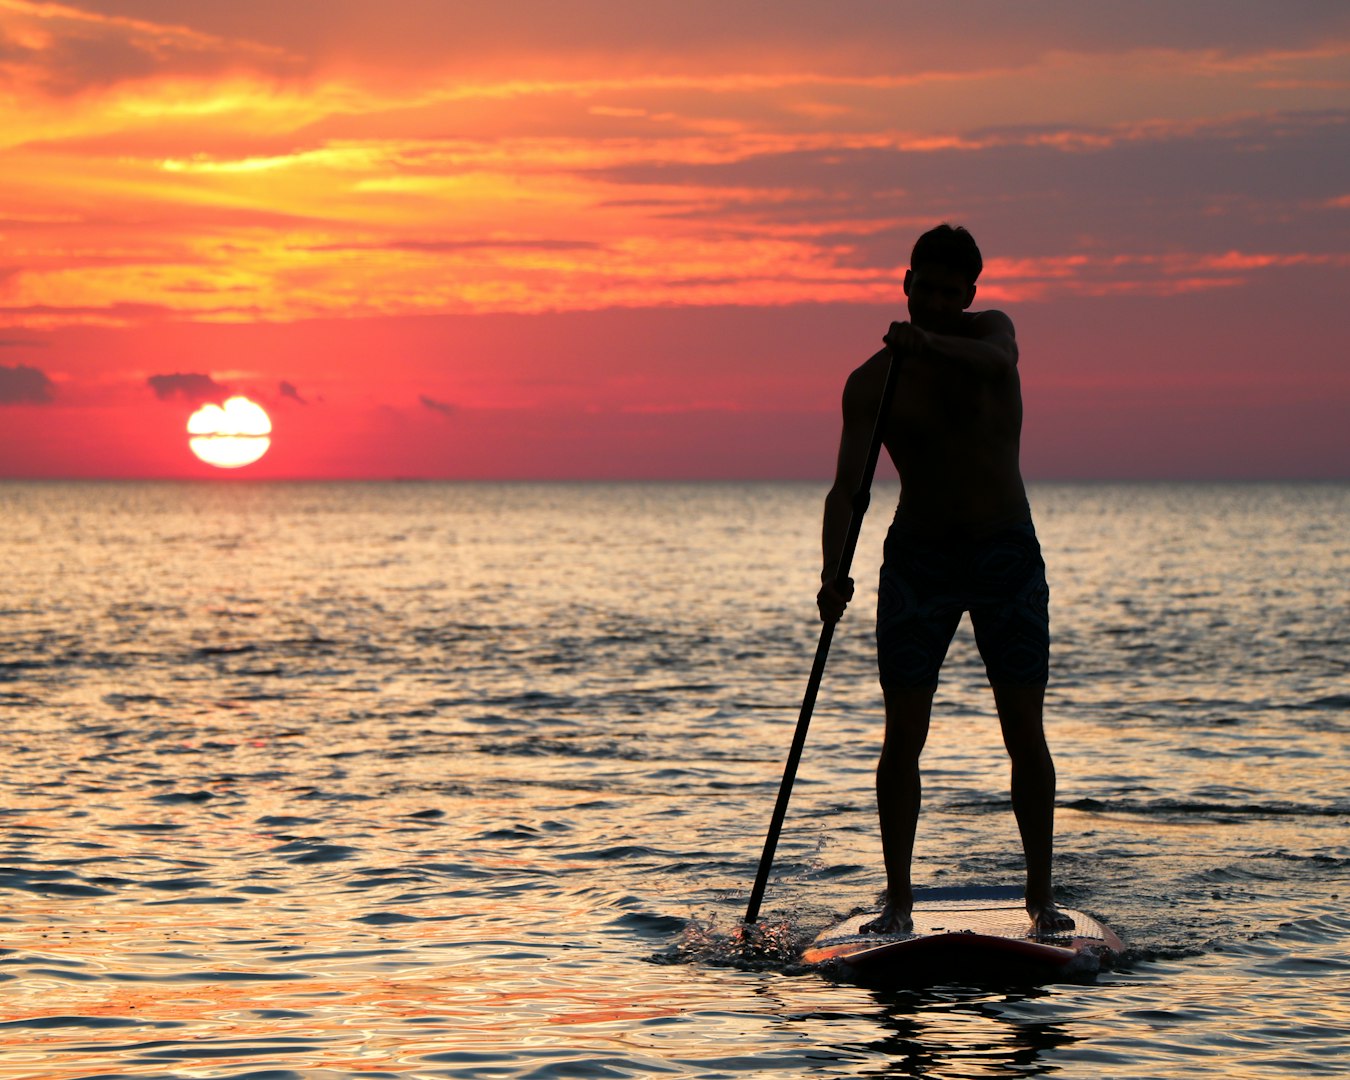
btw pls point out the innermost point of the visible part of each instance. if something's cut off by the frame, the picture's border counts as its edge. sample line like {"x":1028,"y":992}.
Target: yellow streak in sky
{"x":340,"y":158}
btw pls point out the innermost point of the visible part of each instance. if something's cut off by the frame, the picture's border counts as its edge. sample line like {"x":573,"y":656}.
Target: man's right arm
{"x":861,"y":392}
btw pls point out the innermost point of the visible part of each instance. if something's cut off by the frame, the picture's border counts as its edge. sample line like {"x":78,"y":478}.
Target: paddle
{"x":861,"y":498}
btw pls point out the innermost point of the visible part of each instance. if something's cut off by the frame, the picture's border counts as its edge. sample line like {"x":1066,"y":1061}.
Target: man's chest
{"x":939,"y":404}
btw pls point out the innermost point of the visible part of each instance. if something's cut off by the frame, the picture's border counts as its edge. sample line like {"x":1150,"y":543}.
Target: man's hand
{"x":831,"y":601}
{"x":905,"y":339}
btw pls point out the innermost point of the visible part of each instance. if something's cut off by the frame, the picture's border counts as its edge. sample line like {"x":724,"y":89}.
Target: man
{"x":962,"y":540}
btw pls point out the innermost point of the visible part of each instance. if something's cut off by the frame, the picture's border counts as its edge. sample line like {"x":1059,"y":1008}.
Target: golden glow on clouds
{"x":231,"y":179}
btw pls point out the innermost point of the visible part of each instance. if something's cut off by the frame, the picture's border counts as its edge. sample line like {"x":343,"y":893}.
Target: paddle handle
{"x":862,"y":497}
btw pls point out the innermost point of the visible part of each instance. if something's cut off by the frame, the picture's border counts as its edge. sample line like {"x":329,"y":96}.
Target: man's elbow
{"x":996,"y":352}
{"x":838,"y":495}
{"x":995,"y":361}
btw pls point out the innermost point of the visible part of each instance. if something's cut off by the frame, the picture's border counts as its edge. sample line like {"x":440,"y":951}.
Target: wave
{"x":1180,"y":807}
{"x":1332,"y":701}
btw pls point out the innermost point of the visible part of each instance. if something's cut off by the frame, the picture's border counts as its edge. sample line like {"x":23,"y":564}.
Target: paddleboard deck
{"x":972,"y":934}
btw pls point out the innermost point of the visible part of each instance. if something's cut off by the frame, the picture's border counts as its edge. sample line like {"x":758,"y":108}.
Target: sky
{"x":584,"y":239}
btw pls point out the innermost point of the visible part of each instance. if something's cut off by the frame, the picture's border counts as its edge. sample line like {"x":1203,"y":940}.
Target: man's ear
{"x":909,"y":276}
{"x":970,"y":298}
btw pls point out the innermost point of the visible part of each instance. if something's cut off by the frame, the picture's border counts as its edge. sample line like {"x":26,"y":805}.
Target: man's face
{"x":937,"y":296}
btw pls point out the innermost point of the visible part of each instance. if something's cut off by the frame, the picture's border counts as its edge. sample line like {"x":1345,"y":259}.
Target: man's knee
{"x":1021,"y":715}
{"x":907,"y":714}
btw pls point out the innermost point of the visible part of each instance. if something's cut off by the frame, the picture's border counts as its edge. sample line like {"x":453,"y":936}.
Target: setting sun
{"x":232,"y":435}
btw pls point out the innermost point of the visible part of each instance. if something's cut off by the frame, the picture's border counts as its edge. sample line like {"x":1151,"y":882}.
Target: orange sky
{"x":594,"y":239}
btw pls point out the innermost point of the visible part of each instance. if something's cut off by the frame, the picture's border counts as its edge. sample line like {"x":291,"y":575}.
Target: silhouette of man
{"x":962,"y":540}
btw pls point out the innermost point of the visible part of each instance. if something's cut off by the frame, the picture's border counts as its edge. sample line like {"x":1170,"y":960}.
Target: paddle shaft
{"x":861,"y":497}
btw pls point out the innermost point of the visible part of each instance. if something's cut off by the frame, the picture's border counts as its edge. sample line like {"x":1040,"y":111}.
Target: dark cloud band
{"x":192,"y":387}
{"x":24,"y":385}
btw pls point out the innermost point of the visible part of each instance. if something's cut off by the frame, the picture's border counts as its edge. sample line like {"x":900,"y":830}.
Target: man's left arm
{"x":990,"y":351}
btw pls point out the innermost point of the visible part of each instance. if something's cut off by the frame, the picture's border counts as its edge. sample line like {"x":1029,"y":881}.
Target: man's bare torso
{"x":954,"y":437}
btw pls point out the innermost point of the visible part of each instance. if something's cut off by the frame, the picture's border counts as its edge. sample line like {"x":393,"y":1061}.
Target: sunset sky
{"x":570,"y":239}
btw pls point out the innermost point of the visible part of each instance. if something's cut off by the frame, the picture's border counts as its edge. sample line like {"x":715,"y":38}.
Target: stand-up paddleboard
{"x":981,"y":935}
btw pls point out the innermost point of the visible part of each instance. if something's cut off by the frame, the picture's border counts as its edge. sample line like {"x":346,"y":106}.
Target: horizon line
{"x":883,"y":482}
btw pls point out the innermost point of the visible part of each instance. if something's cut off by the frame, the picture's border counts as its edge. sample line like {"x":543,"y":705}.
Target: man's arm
{"x":860,"y":402}
{"x":990,"y":353}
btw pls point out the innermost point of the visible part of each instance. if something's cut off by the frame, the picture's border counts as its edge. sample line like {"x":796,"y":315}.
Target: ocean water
{"x":457,"y":780}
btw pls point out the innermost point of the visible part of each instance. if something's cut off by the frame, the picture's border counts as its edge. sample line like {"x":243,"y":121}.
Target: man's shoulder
{"x":871,"y":373}
{"x":989,"y":323}
{"x":864,"y":384}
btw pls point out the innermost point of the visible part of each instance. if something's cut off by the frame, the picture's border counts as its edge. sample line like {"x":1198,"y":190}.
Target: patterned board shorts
{"x":926,"y":585}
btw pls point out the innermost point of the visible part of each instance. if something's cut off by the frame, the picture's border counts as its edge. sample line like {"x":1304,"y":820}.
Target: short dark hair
{"x":948,"y":246}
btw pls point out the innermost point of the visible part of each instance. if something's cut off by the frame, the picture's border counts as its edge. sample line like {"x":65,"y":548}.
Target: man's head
{"x":940,"y":281}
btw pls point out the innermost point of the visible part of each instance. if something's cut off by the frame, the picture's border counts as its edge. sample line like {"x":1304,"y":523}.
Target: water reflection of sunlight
{"x":307,"y":993}
{"x":955,"y":1033}
{"x":939,"y":1033}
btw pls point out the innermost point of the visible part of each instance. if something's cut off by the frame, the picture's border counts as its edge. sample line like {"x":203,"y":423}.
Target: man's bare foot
{"x":1046,"y":918}
{"x":894,"y":919}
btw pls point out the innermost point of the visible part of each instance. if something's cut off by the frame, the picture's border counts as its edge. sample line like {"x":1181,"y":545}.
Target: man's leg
{"x":899,"y":795}
{"x":1020,"y":711}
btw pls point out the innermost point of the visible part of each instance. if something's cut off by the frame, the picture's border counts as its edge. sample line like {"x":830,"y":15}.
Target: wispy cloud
{"x":1171,"y":274}
{"x":481,"y":244}
{"x":193,"y":387}
{"x":444,"y":408}
{"x":63,"y":49}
